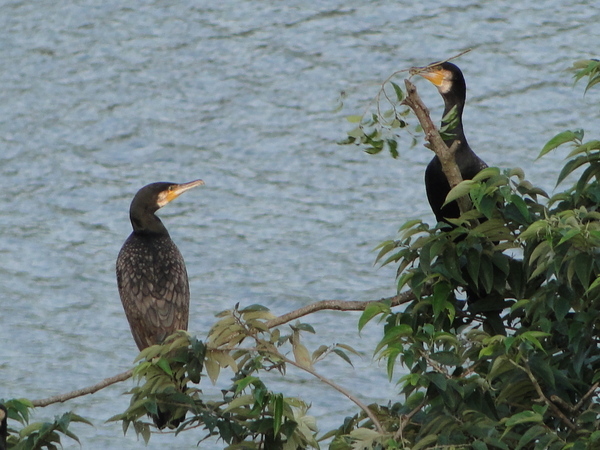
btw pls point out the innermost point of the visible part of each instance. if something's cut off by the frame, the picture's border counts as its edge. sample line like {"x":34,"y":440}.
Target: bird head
{"x":156,"y":195}
{"x":446,"y":76}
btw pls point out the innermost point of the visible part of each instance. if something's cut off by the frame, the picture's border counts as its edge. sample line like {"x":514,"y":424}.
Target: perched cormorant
{"x":151,"y":274}
{"x":451,"y":85}
{"x":3,"y":427}
{"x":152,"y":279}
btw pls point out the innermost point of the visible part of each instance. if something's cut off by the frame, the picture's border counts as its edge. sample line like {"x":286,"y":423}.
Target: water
{"x":99,"y":99}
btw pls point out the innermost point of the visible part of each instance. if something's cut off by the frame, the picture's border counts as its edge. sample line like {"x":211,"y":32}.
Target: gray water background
{"x":98,"y":99}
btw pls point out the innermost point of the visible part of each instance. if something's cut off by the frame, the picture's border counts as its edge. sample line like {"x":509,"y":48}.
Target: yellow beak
{"x":176,"y":190}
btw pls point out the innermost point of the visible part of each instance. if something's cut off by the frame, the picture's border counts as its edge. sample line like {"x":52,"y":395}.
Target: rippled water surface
{"x":98,"y":99}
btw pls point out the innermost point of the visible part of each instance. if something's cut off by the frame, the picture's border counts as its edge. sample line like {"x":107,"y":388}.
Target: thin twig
{"x":543,"y":398}
{"x":585,"y":398}
{"x":340,"y":389}
{"x":417,"y":70}
{"x":405,"y":420}
{"x":80,"y":392}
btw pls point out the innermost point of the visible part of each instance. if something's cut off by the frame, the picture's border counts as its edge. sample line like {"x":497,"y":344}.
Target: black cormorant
{"x":451,"y":85}
{"x":3,"y":427}
{"x":151,"y":273}
{"x":152,"y":278}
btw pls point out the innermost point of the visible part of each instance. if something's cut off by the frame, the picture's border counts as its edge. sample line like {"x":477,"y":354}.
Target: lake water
{"x":98,"y":99}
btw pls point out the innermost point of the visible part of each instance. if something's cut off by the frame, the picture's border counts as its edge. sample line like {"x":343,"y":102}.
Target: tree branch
{"x":80,"y":392}
{"x":340,"y":305}
{"x":437,"y":144}
{"x":543,"y":397}
{"x":336,"y":305}
{"x":405,"y":420}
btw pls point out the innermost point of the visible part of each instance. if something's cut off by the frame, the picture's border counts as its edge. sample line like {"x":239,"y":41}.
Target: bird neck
{"x":457,"y":132}
{"x":147,"y":222}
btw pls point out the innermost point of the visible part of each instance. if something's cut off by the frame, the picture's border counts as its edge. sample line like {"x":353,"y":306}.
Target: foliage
{"x":501,"y":345}
{"x":248,"y":415}
{"x":37,"y":435}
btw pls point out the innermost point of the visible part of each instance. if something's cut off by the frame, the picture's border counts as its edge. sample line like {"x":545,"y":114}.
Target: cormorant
{"x":450,"y":83}
{"x":152,"y":278}
{"x":151,"y":274}
{"x":3,"y":427}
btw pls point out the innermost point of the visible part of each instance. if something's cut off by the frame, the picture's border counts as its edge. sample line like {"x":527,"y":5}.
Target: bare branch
{"x":405,"y":420}
{"x":586,"y":397}
{"x":543,"y":397}
{"x":338,"y":305}
{"x":80,"y":392}
{"x":436,"y":143}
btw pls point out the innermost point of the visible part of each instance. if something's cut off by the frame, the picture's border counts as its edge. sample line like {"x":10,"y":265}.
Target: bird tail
{"x":166,"y":418}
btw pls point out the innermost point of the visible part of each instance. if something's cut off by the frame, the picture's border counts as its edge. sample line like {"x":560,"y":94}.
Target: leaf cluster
{"x":38,"y":435}
{"x":382,"y":129}
{"x":500,"y":349}
{"x":248,"y":415}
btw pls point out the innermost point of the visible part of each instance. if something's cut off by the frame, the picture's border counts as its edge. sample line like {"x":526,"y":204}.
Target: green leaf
{"x":441,"y":292}
{"x":277,"y":413}
{"x":521,"y":206}
{"x":575,"y":163}
{"x":425,"y":442}
{"x":438,"y":380}
{"x":242,"y":400}
{"x":458,"y":191}
{"x":479,"y":445}
{"x":398,"y":91}
{"x":301,"y":355}
{"x":585,"y":148}
{"x":584,"y":263}
{"x":531,"y":435}
{"x":393,"y":335}
{"x":354,"y":119}
{"x":372,"y":310}
{"x":393,"y":147}
{"x":244,"y":383}
{"x":318,"y":352}
{"x":569,"y":235}
{"x":357,"y":133}
{"x":488,"y":172}
{"x":560,"y":139}
{"x":343,"y":355}
{"x":524,"y":417}
{"x":163,"y":363}
{"x":446,"y":358}
{"x":304,"y":327}
{"x":385,"y":247}
{"x":348,"y":348}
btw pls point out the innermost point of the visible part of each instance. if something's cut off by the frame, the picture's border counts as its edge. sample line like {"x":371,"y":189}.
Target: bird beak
{"x":176,"y":190}
{"x":434,"y":74}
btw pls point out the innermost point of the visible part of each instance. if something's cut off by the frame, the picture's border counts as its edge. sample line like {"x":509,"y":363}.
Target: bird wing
{"x":154,"y":290}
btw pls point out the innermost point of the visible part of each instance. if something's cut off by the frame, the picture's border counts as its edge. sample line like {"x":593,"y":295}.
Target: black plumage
{"x":151,"y":273}
{"x":3,"y":427}
{"x":152,"y":279}
{"x":450,"y":83}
